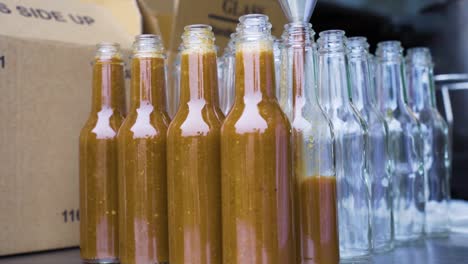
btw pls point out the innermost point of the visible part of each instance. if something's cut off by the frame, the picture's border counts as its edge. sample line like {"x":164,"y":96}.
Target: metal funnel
{"x":298,"y":10}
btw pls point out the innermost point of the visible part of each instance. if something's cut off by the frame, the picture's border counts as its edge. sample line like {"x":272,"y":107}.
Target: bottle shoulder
{"x":311,"y":120}
{"x":346,"y":121}
{"x":432,"y":118}
{"x":102,"y":125}
{"x":262,"y":117}
{"x":144,"y":122}
{"x":195,"y":122}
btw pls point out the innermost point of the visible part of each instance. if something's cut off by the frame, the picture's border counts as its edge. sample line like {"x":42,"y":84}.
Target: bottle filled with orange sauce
{"x":99,"y":236}
{"x":193,"y":155}
{"x":256,"y":163}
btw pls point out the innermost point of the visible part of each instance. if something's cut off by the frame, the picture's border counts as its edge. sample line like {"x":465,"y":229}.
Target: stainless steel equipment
{"x":298,"y":10}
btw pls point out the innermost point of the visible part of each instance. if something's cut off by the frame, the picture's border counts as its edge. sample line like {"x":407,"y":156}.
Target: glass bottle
{"x":193,"y":155}
{"x":227,"y":91}
{"x":350,"y":133}
{"x":256,"y":157}
{"x":142,"y":159}
{"x":378,"y":156}
{"x":313,"y":159}
{"x":405,"y":144}
{"x":421,"y":99}
{"x":99,"y":236}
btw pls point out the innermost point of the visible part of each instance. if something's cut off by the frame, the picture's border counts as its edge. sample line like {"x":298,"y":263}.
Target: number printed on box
{"x":2,"y":62}
{"x":71,"y":216}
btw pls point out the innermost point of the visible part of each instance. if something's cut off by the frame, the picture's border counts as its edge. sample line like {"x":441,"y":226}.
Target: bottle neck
{"x":301,"y":65}
{"x":255,"y":70}
{"x":148,"y":82}
{"x":421,"y":93}
{"x":360,"y":80}
{"x":390,"y":78}
{"x":199,"y":70}
{"x":333,"y":81}
{"x":199,"y":80}
{"x":108,"y":85}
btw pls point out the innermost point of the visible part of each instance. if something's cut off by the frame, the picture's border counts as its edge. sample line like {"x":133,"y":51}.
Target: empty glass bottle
{"x":405,"y":143}
{"x":350,"y":133}
{"x":379,"y":163}
{"x":421,"y":99}
{"x":143,"y":226}
{"x":256,"y":157}
{"x":99,"y":237}
{"x":313,"y":160}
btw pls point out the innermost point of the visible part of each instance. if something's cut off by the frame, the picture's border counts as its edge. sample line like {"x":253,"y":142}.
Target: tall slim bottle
{"x":421,"y":99}
{"x":193,"y":155}
{"x":378,"y":159}
{"x":256,"y":157}
{"x":405,"y":144}
{"x":142,"y":159}
{"x":99,"y":236}
{"x":350,"y":132}
{"x":313,"y":159}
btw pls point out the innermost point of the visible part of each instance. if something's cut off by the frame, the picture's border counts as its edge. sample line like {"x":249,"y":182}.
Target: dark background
{"x":441,"y":25}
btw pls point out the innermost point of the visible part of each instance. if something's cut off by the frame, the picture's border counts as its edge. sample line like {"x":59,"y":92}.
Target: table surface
{"x":452,"y":250}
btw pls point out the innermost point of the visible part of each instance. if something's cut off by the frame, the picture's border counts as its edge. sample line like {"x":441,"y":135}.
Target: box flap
{"x":126,"y":13}
{"x":69,"y":21}
{"x":159,"y":17}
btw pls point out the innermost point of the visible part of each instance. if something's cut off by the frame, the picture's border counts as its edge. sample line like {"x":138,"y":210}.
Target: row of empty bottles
{"x":279,"y":151}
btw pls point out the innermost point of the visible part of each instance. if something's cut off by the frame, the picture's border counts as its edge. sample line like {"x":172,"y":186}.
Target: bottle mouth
{"x":420,"y":56}
{"x":198,"y":27}
{"x":107,"y":50}
{"x":254,"y":19}
{"x":253,"y":26}
{"x":298,"y":33}
{"x":357,"y":46}
{"x":199,"y":37}
{"x":389,"y":50}
{"x":331,"y":40}
{"x":146,"y":44}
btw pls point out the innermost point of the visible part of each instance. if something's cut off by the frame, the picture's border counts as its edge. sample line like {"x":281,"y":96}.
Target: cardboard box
{"x":46,"y":48}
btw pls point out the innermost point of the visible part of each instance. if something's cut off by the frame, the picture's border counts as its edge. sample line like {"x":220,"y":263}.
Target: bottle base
{"x":383,"y":248}
{"x":101,"y":261}
{"x":437,"y":234}
{"x":361,"y":258}
{"x":405,"y":240}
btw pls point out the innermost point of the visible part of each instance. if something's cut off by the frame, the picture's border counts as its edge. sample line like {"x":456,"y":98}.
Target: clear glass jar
{"x":313,"y":159}
{"x":379,"y":163}
{"x":405,"y":144}
{"x":421,"y":99}
{"x":256,"y":165}
{"x":350,"y":132}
